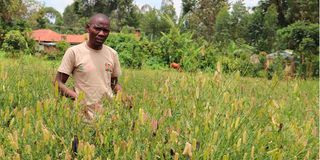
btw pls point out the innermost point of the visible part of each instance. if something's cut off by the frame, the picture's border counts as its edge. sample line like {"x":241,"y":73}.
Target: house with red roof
{"x":48,"y":38}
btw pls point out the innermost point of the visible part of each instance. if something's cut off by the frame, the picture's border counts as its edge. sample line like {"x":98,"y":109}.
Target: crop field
{"x":171,"y":115}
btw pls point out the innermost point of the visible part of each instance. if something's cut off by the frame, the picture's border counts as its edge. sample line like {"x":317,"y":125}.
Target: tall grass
{"x":222,"y":117}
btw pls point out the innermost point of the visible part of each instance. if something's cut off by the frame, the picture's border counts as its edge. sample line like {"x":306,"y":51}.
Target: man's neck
{"x":93,"y":46}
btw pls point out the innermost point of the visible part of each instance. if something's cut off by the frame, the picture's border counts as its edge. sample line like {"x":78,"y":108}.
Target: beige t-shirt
{"x":92,"y":70}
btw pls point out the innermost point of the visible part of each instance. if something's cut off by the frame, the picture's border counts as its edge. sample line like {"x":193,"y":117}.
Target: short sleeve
{"x":68,"y":62}
{"x":117,"y":69}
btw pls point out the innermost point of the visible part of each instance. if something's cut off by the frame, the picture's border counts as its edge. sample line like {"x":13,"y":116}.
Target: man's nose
{"x":102,"y":33}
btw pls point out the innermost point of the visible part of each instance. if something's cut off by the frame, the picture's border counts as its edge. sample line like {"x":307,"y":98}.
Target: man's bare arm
{"x":61,"y":79}
{"x":115,"y":86}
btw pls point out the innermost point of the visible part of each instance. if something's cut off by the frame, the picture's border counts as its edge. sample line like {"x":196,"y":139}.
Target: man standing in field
{"x":94,"y":66}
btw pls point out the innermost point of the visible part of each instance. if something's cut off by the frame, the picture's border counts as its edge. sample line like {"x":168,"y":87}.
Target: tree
{"x":223,"y":27}
{"x":270,"y":28}
{"x":202,"y":18}
{"x":122,"y":12}
{"x":281,"y":7}
{"x":303,"y":38}
{"x":255,"y":28}
{"x":294,"y":37}
{"x":167,"y":8}
{"x":151,"y":23}
{"x":87,"y":8}
{"x":290,"y":11}
{"x":239,"y":21}
{"x":188,"y":6}
{"x":72,"y":22}
{"x":126,"y":14}
{"x":179,"y":47}
{"x":14,"y":42}
{"x":16,"y":15}
{"x":303,"y":11}
{"x":13,"y":9}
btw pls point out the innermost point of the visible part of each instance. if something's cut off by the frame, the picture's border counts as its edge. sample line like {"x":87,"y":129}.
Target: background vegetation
{"x":214,"y":109}
{"x":207,"y":31}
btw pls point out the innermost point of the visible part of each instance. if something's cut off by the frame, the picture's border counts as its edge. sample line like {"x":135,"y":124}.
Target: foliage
{"x":16,"y":9}
{"x":86,"y":8}
{"x":303,"y":11}
{"x":48,"y":17}
{"x":14,"y":42}
{"x":208,"y":32}
{"x":236,"y":117}
{"x":262,"y":28}
{"x":154,"y":23}
{"x":62,"y":46}
{"x":127,"y":30}
{"x":294,"y":37}
{"x":127,"y":47}
{"x":237,"y":58}
{"x":255,"y":28}
{"x":167,"y":9}
{"x":270,"y":25}
{"x":31,"y":43}
{"x":223,"y":27}
{"x":179,"y":47}
{"x":188,"y":6}
{"x":69,"y":16}
{"x":239,"y":17}
{"x":121,"y":12}
{"x":58,"y":52}
{"x":302,"y":37}
{"x":126,"y":14}
{"x":201,"y":20}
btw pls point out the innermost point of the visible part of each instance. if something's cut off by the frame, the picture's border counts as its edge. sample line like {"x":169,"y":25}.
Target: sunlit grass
{"x":197,"y":114}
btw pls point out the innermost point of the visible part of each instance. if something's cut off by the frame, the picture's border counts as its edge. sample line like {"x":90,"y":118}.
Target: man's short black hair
{"x":94,"y":17}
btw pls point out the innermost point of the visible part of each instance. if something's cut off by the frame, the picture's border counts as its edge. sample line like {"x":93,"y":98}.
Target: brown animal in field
{"x":176,"y":66}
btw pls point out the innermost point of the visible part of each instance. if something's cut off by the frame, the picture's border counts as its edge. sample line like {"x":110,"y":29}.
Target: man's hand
{"x":115,"y":86}
{"x":61,"y":79}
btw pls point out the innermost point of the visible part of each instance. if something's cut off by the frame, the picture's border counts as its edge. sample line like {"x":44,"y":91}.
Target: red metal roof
{"x":48,"y":35}
{"x":72,"y":38}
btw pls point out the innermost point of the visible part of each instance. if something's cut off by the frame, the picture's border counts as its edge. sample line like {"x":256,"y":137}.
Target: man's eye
{"x":101,"y":29}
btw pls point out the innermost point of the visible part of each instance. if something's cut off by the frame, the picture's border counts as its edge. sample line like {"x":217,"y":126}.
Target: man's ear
{"x":87,"y":27}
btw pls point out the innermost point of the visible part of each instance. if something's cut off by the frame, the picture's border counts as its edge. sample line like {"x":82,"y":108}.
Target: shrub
{"x":303,"y":38}
{"x":14,"y":43}
{"x":180,"y":48}
{"x":127,"y":47}
{"x":62,"y":46}
{"x":293,"y":36}
{"x":127,"y":29}
{"x":31,"y":43}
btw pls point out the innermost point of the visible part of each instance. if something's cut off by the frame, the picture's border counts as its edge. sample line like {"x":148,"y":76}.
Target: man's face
{"x":98,"y":31}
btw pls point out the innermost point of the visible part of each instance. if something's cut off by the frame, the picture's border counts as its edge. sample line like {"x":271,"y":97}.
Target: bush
{"x":127,"y":29}
{"x":62,"y":46}
{"x":293,"y":36}
{"x":14,"y":43}
{"x":128,"y":48}
{"x":303,"y":38}
{"x":180,"y":48}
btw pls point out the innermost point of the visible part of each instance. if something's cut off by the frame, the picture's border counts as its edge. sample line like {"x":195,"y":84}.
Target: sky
{"x":61,"y":4}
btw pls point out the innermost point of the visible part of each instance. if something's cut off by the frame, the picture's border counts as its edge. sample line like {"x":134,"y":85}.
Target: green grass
{"x":230,"y":118}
